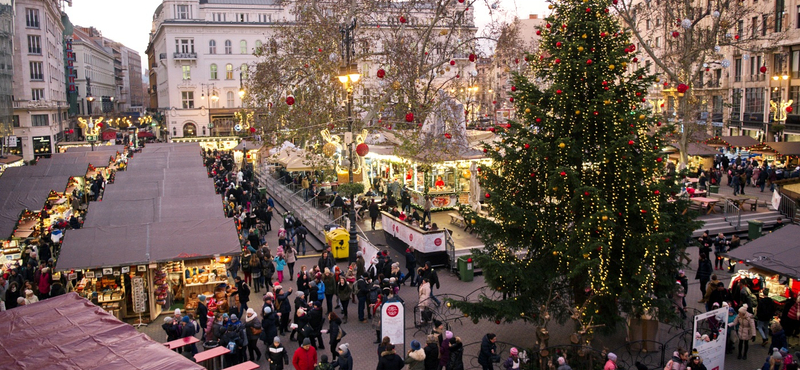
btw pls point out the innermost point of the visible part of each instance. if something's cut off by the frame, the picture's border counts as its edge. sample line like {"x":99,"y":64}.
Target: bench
{"x":457,"y":220}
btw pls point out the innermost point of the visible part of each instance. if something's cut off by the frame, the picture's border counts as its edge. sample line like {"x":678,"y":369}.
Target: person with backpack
{"x":433,"y":278}
{"x":269,"y":321}
{"x":235,"y":340}
{"x":277,"y":356}
{"x":290,"y":254}
{"x":267,"y":270}
{"x":323,"y":363}
{"x":246,"y":269}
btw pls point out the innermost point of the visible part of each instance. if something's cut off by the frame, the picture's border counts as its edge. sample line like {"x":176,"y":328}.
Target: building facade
{"x":40,"y":103}
{"x":94,"y":71}
{"x":6,"y":68}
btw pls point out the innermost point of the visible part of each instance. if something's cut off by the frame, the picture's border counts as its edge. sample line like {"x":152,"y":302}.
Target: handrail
{"x":731,"y":207}
{"x":787,"y":207}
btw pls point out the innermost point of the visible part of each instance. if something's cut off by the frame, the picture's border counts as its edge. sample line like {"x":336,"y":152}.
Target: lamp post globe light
{"x":348,"y":76}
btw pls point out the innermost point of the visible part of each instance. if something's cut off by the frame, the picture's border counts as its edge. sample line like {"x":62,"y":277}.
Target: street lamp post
{"x":348,"y":76}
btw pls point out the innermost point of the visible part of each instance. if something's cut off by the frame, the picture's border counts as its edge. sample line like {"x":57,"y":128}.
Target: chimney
{"x":533,"y":16}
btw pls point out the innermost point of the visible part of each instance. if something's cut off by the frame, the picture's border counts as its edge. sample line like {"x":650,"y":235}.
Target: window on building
{"x":229,"y":97}
{"x":213,"y":71}
{"x":15,"y":120}
{"x":796,"y":64}
{"x":258,"y":46}
{"x":794,"y":94}
{"x":212,"y":47}
{"x":39,"y":120}
{"x":737,"y":68}
{"x":754,"y":100}
{"x":647,"y":24}
{"x":184,"y":46}
{"x":754,"y":30}
{"x":182,"y":11}
{"x":219,"y":17}
{"x":36,"y":71}
{"x":32,"y":18}
{"x":187,"y":97}
{"x":736,"y":104}
{"x":264,"y":18}
{"x":229,"y":71}
{"x":241,"y":17}
{"x":243,"y":47}
{"x":37,"y":94}
{"x":764,"y":24}
{"x":779,"y":11}
{"x":797,"y":21}
{"x":34,"y":44}
{"x":228,"y":47}
{"x":658,"y":42}
{"x":187,"y":72}
{"x":244,"y":71}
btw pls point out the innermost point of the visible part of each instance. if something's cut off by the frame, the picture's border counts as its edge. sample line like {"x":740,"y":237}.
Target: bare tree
{"x":689,"y":43}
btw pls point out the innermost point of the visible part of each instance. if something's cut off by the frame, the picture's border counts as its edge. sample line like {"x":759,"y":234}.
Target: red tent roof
{"x":70,"y":333}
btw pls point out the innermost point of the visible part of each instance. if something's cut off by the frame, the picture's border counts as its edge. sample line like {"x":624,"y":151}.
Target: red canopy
{"x":70,"y":333}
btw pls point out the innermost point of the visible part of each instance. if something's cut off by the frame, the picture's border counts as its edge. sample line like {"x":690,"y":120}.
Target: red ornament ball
{"x":736,"y":37}
{"x":606,"y":10}
{"x":538,"y":120}
{"x":252,"y":130}
{"x":513,"y":88}
{"x":789,"y":109}
{"x":487,"y":195}
{"x":558,"y":61}
{"x":409,"y":117}
{"x":563,"y":174}
{"x":588,"y":10}
{"x":494,"y":101}
{"x":381,"y":73}
{"x":630,"y":142}
{"x":511,"y":99}
{"x":656,"y":192}
{"x":458,"y":75}
{"x":548,"y":25}
{"x":516,"y":60}
{"x":589,"y":62}
{"x":558,"y":44}
{"x":484,"y":150}
{"x":615,"y":2}
{"x":362,"y":149}
{"x":402,"y":19}
{"x":635,"y":60}
{"x":472,"y":57}
{"x":452,"y":62}
{"x":682,"y":88}
{"x":559,"y":92}
{"x":447,"y":135}
{"x":675,"y":33}
{"x":763,"y":69}
{"x":527,"y":146}
{"x":538,"y":32}
{"x":659,"y":159}
{"x":290,"y":100}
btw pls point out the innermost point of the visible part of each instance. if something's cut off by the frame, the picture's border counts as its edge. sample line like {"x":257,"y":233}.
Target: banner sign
{"x":393,"y":323}
{"x":138,"y":297}
{"x":423,"y":241}
{"x":711,"y":334}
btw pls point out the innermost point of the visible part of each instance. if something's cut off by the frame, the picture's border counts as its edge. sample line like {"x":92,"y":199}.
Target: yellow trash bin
{"x":338,"y":240}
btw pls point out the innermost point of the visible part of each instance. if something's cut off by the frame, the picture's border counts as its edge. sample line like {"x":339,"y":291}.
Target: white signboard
{"x":138,"y":297}
{"x":712,"y":327}
{"x":427,"y":242}
{"x":11,"y":141}
{"x":393,"y":323}
{"x":776,"y":199}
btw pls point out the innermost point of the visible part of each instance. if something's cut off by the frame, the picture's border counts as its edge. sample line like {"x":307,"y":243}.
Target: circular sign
{"x":237,"y":127}
{"x":411,"y":237}
{"x":392,"y":310}
{"x":438,"y":241}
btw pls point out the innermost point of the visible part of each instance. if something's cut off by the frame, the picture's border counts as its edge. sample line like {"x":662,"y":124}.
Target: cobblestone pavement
{"x":361,"y":336}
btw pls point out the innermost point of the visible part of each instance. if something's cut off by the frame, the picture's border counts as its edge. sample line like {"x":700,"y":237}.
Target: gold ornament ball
{"x":448,"y":304}
{"x":642,"y":116}
{"x":605,"y":218}
{"x":658,"y":79}
{"x":599,"y":228}
{"x":611,"y":67}
{"x":555,"y":188}
{"x":527,"y":110}
{"x":580,"y":48}
{"x":472,"y":222}
{"x":583,"y":36}
{"x":585,"y":255}
{"x":522,"y":314}
{"x":550,"y":6}
{"x":555,"y":253}
{"x":577,"y":112}
{"x":467,"y":174}
{"x":624,"y":64}
{"x":329,"y":149}
{"x":562,"y":145}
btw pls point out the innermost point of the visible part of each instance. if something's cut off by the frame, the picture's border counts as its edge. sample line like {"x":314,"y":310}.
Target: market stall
{"x":773,"y":259}
{"x":430,"y":245}
{"x":699,"y":155}
{"x":246,"y":148}
{"x":731,"y":146}
{"x":10,"y":161}
{"x":782,"y":155}
{"x":69,"y":332}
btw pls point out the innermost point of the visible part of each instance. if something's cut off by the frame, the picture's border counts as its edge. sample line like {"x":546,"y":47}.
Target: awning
{"x":695,"y":150}
{"x":249,"y":144}
{"x":70,"y":333}
{"x":777,"y":252}
{"x":791,"y":148}
{"x":731,"y":141}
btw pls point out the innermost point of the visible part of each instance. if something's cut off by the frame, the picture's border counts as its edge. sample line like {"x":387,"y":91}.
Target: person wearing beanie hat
{"x":611,"y":364}
{"x":444,"y":349}
{"x":252,"y":328}
{"x":787,"y":357}
{"x":344,"y":361}
{"x":777,"y":336}
{"x":305,"y":357}
{"x":187,"y":331}
{"x":696,"y":363}
{"x":300,"y":305}
{"x":562,"y":364}
{"x":171,"y":328}
{"x":746,"y":331}
{"x":415,"y":358}
{"x":513,"y":361}
{"x":277,"y":356}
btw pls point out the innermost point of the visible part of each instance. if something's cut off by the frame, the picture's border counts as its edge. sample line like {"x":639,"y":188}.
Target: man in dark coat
{"x":390,"y":360}
{"x":488,"y":351}
{"x":374,"y":213}
{"x":202,"y":314}
{"x":431,"y":353}
{"x":704,"y":271}
{"x":244,"y":294}
{"x":433,"y":278}
{"x":284,"y":308}
{"x":411,"y":265}
{"x":315,"y":320}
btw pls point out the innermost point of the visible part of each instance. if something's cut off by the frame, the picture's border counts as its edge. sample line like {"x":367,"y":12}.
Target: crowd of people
{"x":741,"y":173}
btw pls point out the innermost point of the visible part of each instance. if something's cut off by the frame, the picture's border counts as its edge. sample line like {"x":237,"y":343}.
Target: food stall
{"x":10,"y":161}
{"x":782,"y":155}
{"x":699,"y":154}
{"x":731,"y":146}
{"x":772,"y":261}
{"x":246,"y":148}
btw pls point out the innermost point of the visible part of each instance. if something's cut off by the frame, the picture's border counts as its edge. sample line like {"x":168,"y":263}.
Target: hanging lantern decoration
{"x":682,"y":88}
{"x":329,"y":149}
{"x":362,"y":149}
{"x":290,"y":100}
{"x":409,"y":117}
{"x":381,"y":73}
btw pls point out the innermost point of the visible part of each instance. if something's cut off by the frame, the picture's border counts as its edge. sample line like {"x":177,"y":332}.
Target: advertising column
{"x":393,"y":323}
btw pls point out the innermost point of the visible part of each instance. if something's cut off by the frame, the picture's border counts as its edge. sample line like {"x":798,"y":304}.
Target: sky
{"x":129,"y":22}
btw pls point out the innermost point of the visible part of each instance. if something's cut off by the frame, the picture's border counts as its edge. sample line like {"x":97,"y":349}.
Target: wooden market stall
{"x":783,"y":154}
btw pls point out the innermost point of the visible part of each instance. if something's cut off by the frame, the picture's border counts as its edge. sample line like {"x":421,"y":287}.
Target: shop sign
{"x":393,"y":322}
{"x":138,"y":294}
{"x":126,"y":269}
{"x":712,"y":350}
{"x":11,"y":141}
{"x":108,"y":271}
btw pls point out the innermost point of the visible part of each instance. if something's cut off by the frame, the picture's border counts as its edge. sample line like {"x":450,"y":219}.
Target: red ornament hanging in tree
{"x":362,"y":149}
{"x":472,"y":57}
{"x":682,"y":88}
{"x":563,"y":174}
{"x":516,"y":60}
{"x":494,"y":102}
{"x":290,"y":100}
{"x":511,"y":99}
{"x":409,"y":117}
{"x":789,"y":109}
{"x":763,"y":69}
{"x":630,"y":142}
{"x":659,"y":160}
{"x":252,"y":130}
{"x":402,"y":19}
{"x":513,"y":88}
{"x":558,"y":61}
{"x":527,"y":146}
{"x":675,"y":33}
{"x":538,"y":32}
{"x":736,"y":37}
{"x":452,"y":62}
{"x":458,"y":75}
{"x":447,"y":135}
{"x":558,"y":44}
{"x":381,"y":73}
{"x":589,"y":62}
{"x":559,"y":91}
{"x":487,"y":195}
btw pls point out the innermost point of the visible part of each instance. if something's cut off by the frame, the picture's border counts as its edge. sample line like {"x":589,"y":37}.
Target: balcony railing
{"x":184,"y":55}
{"x":40,"y":104}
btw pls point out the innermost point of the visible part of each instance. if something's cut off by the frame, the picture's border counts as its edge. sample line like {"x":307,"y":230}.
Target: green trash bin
{"x":466,"y":268}
{"x":263,"y":191}
{"x":713,"y":189}
{"x":754,"y":229}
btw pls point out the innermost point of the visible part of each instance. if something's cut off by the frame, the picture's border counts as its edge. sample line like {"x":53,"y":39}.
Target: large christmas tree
{"x":581,"y":201}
